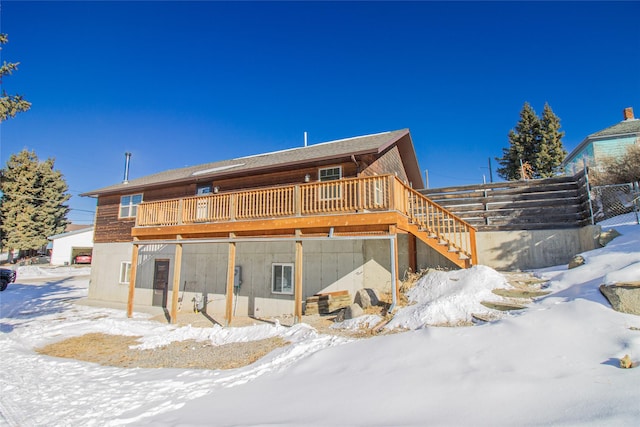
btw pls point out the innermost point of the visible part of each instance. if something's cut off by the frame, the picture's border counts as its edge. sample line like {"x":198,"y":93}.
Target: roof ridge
{"x":313,"y":145}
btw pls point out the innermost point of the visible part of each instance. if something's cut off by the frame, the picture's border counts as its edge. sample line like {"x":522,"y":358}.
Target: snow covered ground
{"x":556,"y":363}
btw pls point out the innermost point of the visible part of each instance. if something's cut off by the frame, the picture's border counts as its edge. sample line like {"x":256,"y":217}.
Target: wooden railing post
{"x":472,"y":244}
{"x":297,"y":200}
{"x":232,"y":206}
{"x":180,"y":209}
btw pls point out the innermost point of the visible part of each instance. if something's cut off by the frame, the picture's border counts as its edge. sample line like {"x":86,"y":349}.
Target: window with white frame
{"x":129,"y":205}
{"x":125,"y":272}
{"x":378,"y":193}
{"x":332,"y":191}
{"x":282,"y":278}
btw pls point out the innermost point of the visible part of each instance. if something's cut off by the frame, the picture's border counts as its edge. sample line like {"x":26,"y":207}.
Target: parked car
{"x":82,"y":259}
{"x":6,"y":276}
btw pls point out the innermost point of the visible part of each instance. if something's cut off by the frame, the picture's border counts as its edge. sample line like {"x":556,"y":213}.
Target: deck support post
{"x":298,"y":280}
{"x":231,"y":265}
{"x":395,"y":282}
{"x":413,"y":253}
{"x":176,"y":282}
{"x":132,"y":280}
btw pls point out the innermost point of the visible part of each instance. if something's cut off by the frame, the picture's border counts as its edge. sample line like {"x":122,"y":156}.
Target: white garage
{"x":66,"y":246}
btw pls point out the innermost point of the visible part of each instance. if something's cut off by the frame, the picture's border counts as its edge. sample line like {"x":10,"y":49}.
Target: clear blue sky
{"x":184,"y":83}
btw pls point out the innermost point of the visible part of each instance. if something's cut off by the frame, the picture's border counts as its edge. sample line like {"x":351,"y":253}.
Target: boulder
{"x":623,"y":297}
{"x":625,"y":362}
{"x":607,"y":236}
{"x":353,"y":311}
{"x":576,"y":261}
{"x":366,"y":298}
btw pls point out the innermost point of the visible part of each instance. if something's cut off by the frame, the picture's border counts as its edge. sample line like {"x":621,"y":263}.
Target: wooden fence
{"x":561,"y":202}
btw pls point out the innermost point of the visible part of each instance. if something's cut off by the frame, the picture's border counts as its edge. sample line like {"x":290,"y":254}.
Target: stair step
{"x":519,"y":293}
{"x":502,"y":306}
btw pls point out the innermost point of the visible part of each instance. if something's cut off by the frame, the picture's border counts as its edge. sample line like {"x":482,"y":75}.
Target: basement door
{"x":160,"y":282}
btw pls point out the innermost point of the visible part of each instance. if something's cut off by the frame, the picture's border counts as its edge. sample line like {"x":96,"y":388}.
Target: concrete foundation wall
{"x":529,"y":249}
{"x":327,"y":266}
{"x":105,"y":272}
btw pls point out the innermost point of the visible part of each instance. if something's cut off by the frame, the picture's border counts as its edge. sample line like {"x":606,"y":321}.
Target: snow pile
{"x":556,"y":363}
{"x":449,"y":297}
{"x":217,"y":335}
{"x":34,"y":271}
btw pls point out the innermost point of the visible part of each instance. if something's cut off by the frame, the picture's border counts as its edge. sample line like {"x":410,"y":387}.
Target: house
{"x":65,"y":246}
{"x":609,"y":142}
{"x":257,"y":235}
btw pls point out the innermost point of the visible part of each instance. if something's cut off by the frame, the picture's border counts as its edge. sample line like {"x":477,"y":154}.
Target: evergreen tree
{"x":551,"y":152}
{"x":33,"y":197}
{"x":535,"y":146}
{"x":10,"y":105}
{"x":523,"y":142}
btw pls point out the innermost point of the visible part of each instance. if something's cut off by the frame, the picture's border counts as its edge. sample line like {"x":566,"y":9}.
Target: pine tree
{"x":522,"y":145}
{"x":10,"y":105}
{"x":551,"y":152}
{"x":33,"y":197}
{"x":535,"y":143}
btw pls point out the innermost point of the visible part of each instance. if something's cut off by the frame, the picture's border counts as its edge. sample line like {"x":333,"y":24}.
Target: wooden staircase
{"x":438,"y":228}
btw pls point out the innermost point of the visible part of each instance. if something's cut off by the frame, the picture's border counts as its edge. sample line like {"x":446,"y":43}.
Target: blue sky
{"x":184,"y":83}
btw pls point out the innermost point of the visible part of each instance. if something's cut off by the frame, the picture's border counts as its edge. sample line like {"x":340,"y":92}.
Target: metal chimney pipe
{"x":305,"y":139}
{"x":127,"y":160}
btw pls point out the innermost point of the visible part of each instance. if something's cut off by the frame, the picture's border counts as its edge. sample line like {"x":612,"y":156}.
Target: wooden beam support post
{"x":132,"y":280}
{"x":395,"y":280}
{"x":231,"y":265}
{"x":473,"y":248}
{"x":298,"y":280}
{"x":177,"y":268}
{"x":413,"y":253}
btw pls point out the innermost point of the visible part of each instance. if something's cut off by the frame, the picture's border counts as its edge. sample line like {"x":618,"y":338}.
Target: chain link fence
{"x":617,"y":204}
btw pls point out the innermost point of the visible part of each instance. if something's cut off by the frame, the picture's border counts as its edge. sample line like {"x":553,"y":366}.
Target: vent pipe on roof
{"x":127,"y":160}
{"x":305,"y":139}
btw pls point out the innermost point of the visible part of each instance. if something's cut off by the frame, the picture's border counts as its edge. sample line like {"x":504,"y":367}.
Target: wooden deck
{"x":377,"y":204}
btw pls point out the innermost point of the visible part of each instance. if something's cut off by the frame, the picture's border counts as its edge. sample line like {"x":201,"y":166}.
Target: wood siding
{"x":109,"y":228}
{"x":389,"y":162}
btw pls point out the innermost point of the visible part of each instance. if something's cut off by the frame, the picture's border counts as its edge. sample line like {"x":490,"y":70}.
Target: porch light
{"x":307,"y":178}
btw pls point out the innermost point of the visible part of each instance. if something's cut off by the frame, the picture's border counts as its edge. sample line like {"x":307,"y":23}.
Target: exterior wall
{"x":528,"y":249}
{"x":597,"y":150}
{"x":616,"y":147}
{"x":576,"y":163}
{"x":63,"y":246}
{"x":105,"y":272}
{"x":328,"y":266}
{"x":389,"y":162}
{"x":430,"y":258}
{"x":110,"y":228}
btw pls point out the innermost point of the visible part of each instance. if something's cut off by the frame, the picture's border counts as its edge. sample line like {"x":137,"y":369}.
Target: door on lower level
{"x":160,"y":282}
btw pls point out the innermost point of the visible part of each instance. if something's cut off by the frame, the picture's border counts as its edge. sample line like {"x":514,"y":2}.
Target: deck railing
{"x":354,"y":195}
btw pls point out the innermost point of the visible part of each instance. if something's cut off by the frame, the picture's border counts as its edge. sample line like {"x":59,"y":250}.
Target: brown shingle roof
{"x":374,"y":143}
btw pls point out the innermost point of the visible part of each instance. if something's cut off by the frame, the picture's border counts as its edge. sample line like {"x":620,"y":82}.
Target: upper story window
{"x":330,"y":174}
{"x":204,"y":189}
{"x":129,"y":205}
{"x":330,"y":191}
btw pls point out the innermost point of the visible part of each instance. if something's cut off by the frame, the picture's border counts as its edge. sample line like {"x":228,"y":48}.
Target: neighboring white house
{"x":66,"y":246}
